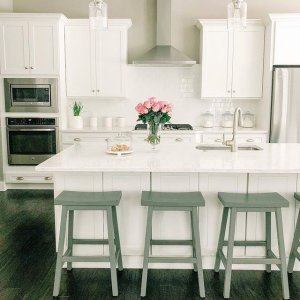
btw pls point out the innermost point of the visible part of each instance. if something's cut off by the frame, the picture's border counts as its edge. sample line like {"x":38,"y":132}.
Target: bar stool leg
{"x":284,"y":279}
{"x":196,"y":235}
{"x":146,"y":251}
{"x":295,"y":246}
{"x":268,"y":239}
{"x":193,"y":240}
{"x":221,"y":238}
{"x":117,"y":238}
{"x":111,"y":243}
{"x":70,"y":237}
{"x":228,"y":267}
{"x":61,"y":242}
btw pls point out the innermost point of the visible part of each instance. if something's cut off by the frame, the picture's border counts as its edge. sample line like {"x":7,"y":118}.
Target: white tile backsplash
{"x":180,"y":86}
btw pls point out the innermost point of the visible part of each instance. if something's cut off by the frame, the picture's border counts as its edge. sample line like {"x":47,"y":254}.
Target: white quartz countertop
{"x":171,"y":157}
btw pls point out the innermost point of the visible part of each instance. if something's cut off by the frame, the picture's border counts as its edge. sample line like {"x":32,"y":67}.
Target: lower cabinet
{"x":285,"y":185}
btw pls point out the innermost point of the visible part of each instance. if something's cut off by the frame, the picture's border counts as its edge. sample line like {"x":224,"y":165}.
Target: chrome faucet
{"x":236,"y":121}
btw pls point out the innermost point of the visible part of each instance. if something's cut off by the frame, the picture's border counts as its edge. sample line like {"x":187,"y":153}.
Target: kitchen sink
{"x":226,"y":148}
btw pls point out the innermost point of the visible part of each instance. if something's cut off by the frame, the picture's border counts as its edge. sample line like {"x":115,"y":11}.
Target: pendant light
{"x":237,"y":14}
{"x":98,"y":14}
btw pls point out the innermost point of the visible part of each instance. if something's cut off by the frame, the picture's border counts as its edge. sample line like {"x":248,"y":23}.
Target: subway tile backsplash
{"x":180,"y":86}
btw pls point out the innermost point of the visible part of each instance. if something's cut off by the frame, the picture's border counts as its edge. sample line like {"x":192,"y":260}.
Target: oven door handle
{"x":31,"y":129}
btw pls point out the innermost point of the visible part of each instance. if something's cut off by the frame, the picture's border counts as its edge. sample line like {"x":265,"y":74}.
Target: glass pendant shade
{"x":98,"y":14}
{"x":237,"y":14}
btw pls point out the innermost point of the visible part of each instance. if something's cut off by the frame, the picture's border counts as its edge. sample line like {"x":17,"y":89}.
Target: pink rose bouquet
{"x":154,"y":113}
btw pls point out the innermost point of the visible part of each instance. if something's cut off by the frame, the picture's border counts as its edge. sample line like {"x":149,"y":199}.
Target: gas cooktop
{"x":166,"y":127}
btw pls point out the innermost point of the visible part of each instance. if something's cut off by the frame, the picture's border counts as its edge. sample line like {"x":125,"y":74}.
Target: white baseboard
{"x":2,"y":186}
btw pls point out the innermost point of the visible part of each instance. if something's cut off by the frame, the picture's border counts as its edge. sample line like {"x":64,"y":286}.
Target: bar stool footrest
{"x":85,"y":259}
{"x":90,"y":242}
{"x":153,"y":259}
{"x":247,"y":243}
{"x":171,"y":242}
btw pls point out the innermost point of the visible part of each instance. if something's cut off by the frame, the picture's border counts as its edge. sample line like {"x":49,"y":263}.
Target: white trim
{"x":127,"y":23}
{"x":27,"y":16}
{"x":2,"y":186}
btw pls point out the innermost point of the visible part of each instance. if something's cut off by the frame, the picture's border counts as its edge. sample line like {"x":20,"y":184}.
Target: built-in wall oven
{"x":30,"y":95}
{"x":31,"y":141}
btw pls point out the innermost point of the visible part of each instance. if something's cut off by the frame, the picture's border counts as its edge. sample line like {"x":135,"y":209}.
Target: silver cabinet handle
{"x":48,"y":178}
{"x":31,"y":68}
{"x":26,"y":68}
{"x":106,"y":140}
{"x":77,"y":139}
{"x":98,"y":91}
{"x":228,"y":91}
{"x":218,"y":140}
{"x":250,"y":140}
{"x":93,"y":91}
{"x":20,"y":178}
{"x":233,"y":91}
{"x":179,"y":140}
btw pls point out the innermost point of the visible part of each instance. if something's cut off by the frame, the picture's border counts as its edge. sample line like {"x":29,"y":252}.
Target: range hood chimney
{"x":164,"y":54}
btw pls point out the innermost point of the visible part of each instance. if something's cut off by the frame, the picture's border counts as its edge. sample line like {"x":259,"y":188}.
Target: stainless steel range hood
{"x":164,"y":54}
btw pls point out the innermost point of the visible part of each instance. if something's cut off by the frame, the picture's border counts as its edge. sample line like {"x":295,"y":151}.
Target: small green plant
{"x":77,"y":108}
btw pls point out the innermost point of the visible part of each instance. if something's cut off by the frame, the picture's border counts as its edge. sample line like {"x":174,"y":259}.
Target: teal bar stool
{"x":296,"y":242}
{"x":71,"y":201}
{"x":264,"y":202}
{"x":160,"y":201}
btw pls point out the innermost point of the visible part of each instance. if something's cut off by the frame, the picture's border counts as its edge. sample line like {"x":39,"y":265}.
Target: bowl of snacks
{"x":119,"y":145}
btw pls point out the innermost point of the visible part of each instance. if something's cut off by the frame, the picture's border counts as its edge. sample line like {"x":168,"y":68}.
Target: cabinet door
{"x":109,"y":63}
{"x":248,"y":57}
{"x":14,"y":48}
{"x":80,"y":61}
{"x":43,"y":41}
{"x":216,"y":64}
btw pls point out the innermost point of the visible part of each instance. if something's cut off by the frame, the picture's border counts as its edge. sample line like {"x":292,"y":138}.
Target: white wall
{"x":6,"y":6}
{"x":143,"y":14}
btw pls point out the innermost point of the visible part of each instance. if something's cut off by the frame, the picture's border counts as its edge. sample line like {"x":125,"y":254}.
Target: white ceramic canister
{"x":108,"y":122}
{"x":121,"y":122}
{"x":76,"y":122}
{"x":93,"y":122}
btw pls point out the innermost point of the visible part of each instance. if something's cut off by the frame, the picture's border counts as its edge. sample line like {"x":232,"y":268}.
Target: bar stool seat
{"x":262,"y":202}
{"x":163,"y":201}
{"x":71,"y":201}
{"x":296,"y":242}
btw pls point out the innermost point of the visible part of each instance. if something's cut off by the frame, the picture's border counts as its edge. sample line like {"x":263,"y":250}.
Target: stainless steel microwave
{"x":30,"y":94}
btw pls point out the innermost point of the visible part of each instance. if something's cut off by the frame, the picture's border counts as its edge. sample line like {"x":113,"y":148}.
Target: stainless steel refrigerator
{"x":285,"y":111}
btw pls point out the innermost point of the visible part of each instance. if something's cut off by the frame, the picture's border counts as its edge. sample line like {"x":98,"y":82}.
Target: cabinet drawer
{"x":212,"y":139}
{"x":177,"y":139}
{"x":72,"y":138}
{"x":251,"y":139}
{"x":28,"y":178}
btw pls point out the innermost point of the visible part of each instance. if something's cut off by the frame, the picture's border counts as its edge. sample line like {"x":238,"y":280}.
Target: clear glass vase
{"x":153,"y":134}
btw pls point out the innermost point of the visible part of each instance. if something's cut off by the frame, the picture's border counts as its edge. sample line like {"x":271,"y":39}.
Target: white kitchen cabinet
{"x":28,"y":177}
{"x":242,"y":138}
{"x":176,"y":137}
{"x":232,"y":61}
{"x":69,"y":139}
{"x":285,"y":30}
{"x":131,"y":215}
{"x":96,"y":59}
{"x":174,"y":225}
{"x":30,"y":44}
{"x":286,"y":185}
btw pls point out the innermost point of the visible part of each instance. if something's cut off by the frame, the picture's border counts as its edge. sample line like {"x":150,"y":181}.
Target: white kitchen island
{"x":175,"y":167}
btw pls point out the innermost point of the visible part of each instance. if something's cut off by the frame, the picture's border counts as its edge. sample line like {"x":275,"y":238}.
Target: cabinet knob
{"x":26,"y":68}
{"x":48,"y":178}
{"x":250,"y":141}
{"x":93,"y":91}
{"x":31,"y":68}
{"x":77,"y":139}
{"x":218,"y":140}
{"x":228,"y":91}
{"x":20,"y":178}
{"x":98,"y":91}
{"x":179,"y":139}
{"x":233,"y":91}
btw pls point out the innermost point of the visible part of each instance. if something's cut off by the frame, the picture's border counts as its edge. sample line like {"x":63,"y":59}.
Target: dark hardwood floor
{"x":27,"y":262}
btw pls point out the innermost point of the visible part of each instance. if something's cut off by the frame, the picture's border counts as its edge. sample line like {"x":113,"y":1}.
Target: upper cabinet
{"x":96,"y":59}
{"x":30,"y":47}
{"x":285,"y":30}
{"x":232,"y":60}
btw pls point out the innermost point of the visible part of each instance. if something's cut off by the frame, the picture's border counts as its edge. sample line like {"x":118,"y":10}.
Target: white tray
{"x":119,"y":152}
